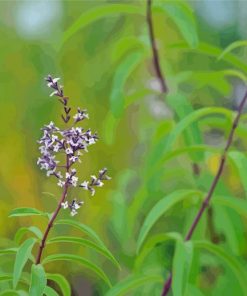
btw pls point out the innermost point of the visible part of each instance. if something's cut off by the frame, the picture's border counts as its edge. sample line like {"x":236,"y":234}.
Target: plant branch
{"x":214,"y":183}
{"x":54,"y":216}
{"x":156,"y":59}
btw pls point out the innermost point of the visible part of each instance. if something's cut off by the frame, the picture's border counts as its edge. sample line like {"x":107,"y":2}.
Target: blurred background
{"x":105,"y":63}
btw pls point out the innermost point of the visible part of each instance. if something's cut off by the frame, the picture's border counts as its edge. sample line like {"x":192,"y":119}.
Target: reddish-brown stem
{"x":50,"y":224}
{"x":214,"y":183}
{"x":156,"y":59}
{"x":54,"y":216}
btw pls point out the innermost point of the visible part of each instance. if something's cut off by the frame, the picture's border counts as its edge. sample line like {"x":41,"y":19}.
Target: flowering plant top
{"x":72,"y":142}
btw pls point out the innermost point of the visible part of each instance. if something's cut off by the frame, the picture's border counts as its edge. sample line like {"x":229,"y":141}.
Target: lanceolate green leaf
{"x":240,"y":161}
{"x":23,"y":230}
{"x":213,"y":51}
{"x":50,"y":292}
{"x":9,"y":251}
{"x":181,"y":104}
{"x":78,"y":259}
{"x":22,"y":212}
{"x":98,"y":13}
{"x":11,"y":292}
{"x":192,"y":117}
{"x":61,"y":282}
{"x":38,"y":280}
{"x":151,"y":244}
{"x":85,"y":243}
{"x":82,"y":227}
{"x":122,"y":74}
{"x":232,"y":46}
{"x":160,"y":209}
{"x":183,"y":16}
{"x":23,"y":253}
{"x":229,"y":260}
{"x":132,"y":282}
{"x":181,"y":266}
{"x":239,"y":205}
{"x":6,"y":277}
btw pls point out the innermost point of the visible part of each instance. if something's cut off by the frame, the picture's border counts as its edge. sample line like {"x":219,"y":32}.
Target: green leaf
{"x":23,"y":230}
{"x":10,"y":293}
{"x":239,"y":205}
{"x":98,"y":13}
{"x":192,"y":117}
{"x":235,"y":73}
{"x":121,"y":75}
{"x":181,"y":266}
{"x":213,"y":51}
{"x":161,"y":207}
{"x":9,"y":277}
{"x":86,"y":243}
{"x":124,"y":287}
{"x":82,"y":227}
{"x":232,"y":46}
{"x":22,"y":212}
{"x":50,"y":292}
{"x":192,"y":290}
{"x":22,"y":256}
{"x":124,"y":45}
{"x":228,"y":259}
{"x":240,"y":161}
{"x":61,"y":282}
{"x":151,"y":244}
{"x":38,"y":280}
{"x":183,"y":16}
{"x":182,"y":106}
{"x":78,"y":259}
{"x":8,"y":251}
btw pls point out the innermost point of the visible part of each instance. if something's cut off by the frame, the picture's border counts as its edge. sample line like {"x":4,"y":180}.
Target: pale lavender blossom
{"x":70,"y":142}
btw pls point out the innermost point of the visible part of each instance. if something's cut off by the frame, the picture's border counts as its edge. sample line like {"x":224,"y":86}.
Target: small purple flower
{"x":70,"y":142}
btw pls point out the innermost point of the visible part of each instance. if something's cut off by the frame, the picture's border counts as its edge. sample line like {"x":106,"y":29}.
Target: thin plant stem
{"x":53,"y":217}
{"x":156,"y":59}
{"x":214,"y":183}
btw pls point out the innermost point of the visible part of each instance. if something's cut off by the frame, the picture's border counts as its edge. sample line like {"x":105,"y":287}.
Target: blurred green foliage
{"x":149,"y":141}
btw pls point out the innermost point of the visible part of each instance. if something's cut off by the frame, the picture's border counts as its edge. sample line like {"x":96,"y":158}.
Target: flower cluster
{"x":74,"y":206}
{"x":71,"y":142}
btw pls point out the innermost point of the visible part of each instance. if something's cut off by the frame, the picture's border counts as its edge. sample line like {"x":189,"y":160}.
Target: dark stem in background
{"x":207,"y":199}
{"x":54,"y":216}
{"x":156,"y":60}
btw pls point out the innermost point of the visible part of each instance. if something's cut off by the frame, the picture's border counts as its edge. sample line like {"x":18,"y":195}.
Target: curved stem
{"x":214,"y":183}
{"x":156,"y":59}
{"x":50,"y":224}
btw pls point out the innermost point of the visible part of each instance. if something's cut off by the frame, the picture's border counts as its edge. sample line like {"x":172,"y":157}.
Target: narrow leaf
{"x":232,"y":46}
{"x":38,"y":280}
{"x":192,"y":117}
{"x":21,"y":212}
{"x":61,"y":282}
{"x":152,"y":242}
{"x":98,"y":13}
{"x":240,"y":161}
{"x":160,"y":209}
{"x":86,"y":243}
{"x":78,"y":259}
{"x":23,"y":230}
{"x":22,"y":256}
{"x":181,"y":266}
{"x":228,"y":259}
{"x":126,"y":286}
{"x":82,"y":227}
{"x":239,"y":205}
{"x":50,"y":292}
{"x":9,"y":251}
{"x":183,"y":16}
{"x":122,"y":74}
